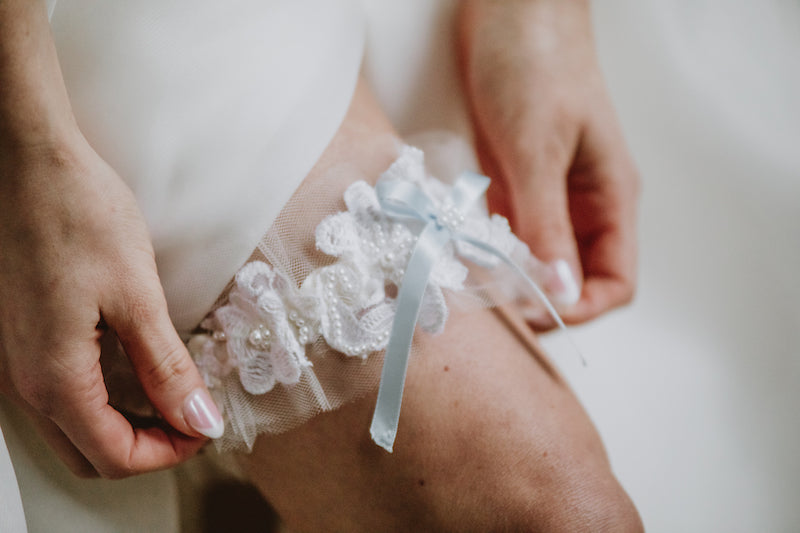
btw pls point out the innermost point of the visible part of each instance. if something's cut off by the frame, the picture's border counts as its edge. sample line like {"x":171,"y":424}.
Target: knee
{"x":576,"y":501}
{"x":559,"y":492}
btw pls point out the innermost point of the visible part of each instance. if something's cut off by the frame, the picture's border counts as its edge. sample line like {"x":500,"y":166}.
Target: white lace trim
{"x":263,"y":330}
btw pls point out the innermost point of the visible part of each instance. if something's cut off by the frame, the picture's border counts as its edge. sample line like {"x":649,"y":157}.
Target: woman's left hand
{"x":548,"y":135}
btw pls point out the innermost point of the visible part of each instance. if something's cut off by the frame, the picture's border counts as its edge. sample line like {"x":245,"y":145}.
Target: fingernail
{"x":202,"y":415}
{"x":538,"y":318}
{"x":564,"y":288}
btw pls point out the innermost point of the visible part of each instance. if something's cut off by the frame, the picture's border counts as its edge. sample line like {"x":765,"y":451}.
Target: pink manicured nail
{"x":202,"y":415}
{"x":564,"y":289}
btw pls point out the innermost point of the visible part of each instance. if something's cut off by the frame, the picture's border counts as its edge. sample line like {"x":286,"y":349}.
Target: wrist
{"x":42,"y":129}
{"x":55,"y":155}
{"x":34,"y":105}
{"x":56,"y":139}
{"x":540,"y":26}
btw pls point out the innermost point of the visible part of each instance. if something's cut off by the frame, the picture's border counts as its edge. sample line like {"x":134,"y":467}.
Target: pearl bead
{"x":387,"y":259}
{"x":219,"y":336}
{"x":259,"y":337}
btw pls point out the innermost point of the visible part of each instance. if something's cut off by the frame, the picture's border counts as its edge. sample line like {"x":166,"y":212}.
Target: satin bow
{"x":406,"y":201}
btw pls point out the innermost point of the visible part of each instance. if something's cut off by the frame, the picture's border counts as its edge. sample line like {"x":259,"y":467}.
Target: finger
{"x":497,"y":196}
{"x":536,"y":171}
{"x":608,"y":252}
{"x":55,"y":438}
{"x":64,"y":448}
{"x":604,"y":194}
{"x":599,"y":296}
{"x":164,"y":367}
{"x":106,"y":438}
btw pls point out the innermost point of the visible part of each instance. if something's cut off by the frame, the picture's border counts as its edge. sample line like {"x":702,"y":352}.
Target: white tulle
{"x":263,"y":329}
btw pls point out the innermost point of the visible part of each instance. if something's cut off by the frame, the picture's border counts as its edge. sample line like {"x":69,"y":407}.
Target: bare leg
{"x":490,"y":437}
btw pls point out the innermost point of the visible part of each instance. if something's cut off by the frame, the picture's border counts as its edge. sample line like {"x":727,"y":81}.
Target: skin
{"x":547,"y":133}
{"x":490,"y":436}
{"x":76,"y":259}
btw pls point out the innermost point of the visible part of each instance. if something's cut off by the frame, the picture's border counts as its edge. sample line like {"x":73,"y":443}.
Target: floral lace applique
{"x":263,"y":330}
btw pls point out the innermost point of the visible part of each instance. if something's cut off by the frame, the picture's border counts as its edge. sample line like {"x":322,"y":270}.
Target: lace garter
{"x":398,"y":247}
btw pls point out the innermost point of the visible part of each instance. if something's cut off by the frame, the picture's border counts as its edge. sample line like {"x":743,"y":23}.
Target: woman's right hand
{"x":75,"y":254}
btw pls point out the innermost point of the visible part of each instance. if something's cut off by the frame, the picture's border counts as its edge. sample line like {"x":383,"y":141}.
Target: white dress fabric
{"x":54,"y":499}
{"x":212,"y":112}
{"x":12,"y":517}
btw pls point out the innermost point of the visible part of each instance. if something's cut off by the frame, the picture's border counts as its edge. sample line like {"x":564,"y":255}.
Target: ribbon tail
{"x":532,"y":284}
{"x":395,"y":363}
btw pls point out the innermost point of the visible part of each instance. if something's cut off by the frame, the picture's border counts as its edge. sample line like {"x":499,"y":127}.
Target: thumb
{"x":161,"y":361}
{"x":539,"y":197}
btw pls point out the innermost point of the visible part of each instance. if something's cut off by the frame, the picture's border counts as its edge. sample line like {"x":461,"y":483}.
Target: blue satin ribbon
{"x":406,"y":201}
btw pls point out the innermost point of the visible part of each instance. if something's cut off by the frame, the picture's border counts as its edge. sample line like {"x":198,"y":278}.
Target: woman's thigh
{"x":490,"y":437}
